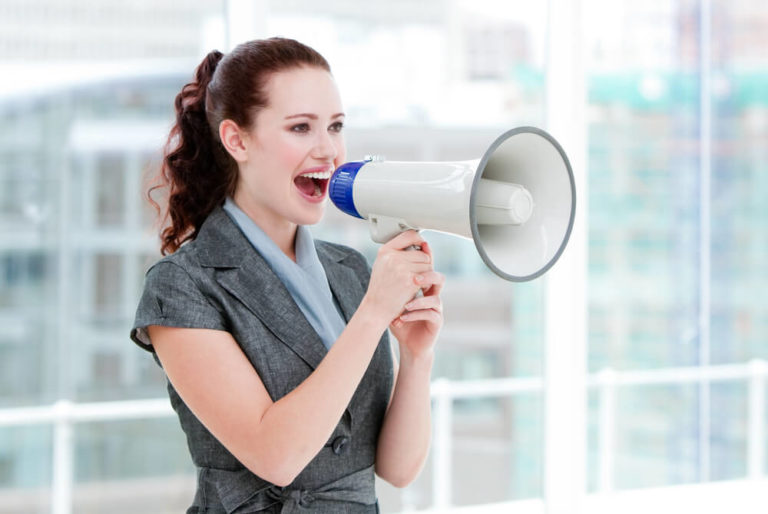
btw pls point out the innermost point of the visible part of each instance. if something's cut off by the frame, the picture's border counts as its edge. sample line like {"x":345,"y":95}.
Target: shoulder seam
{"x":188,"y":274}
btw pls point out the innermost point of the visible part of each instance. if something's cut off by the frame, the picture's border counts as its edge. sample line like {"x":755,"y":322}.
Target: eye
{"x":300,"y":127}
{"x":336,"y":127}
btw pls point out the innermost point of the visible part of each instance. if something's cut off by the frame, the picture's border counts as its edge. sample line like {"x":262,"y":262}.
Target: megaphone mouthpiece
{"x":502,"y":203}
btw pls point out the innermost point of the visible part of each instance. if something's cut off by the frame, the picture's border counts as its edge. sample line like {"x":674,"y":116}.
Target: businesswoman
{"x":276,"y":345}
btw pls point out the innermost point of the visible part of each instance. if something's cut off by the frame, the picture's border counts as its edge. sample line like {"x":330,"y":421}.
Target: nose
{"x":325,"y":147}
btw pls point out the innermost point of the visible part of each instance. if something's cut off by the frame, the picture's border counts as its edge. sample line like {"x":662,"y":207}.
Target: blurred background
{"x":631,"y":377}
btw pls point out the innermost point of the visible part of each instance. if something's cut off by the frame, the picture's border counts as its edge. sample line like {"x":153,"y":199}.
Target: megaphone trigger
{"x":384,"y":228}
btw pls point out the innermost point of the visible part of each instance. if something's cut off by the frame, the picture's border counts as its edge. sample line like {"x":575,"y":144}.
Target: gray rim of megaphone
{"x":476,"y":181}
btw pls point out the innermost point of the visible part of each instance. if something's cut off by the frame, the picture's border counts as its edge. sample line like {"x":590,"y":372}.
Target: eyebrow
{"x":312,"y":116}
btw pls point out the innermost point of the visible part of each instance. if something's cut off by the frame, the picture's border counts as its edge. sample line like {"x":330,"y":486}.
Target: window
{"x":667,"y":141}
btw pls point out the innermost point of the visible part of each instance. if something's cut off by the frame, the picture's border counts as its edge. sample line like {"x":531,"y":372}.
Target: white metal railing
{"x":63,"y":414}
{"x":444,"y":392}
{"x":608,"y":380}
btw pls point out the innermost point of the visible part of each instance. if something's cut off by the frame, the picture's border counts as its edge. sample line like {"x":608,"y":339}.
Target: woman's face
{"x":295,"y":144}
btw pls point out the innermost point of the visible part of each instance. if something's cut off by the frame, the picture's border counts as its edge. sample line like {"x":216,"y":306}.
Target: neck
{"x":281,"y":231}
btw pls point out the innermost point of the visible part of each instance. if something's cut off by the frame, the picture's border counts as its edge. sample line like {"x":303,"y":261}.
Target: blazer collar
{"x":220,"y":243}
{"x":245,"y":274}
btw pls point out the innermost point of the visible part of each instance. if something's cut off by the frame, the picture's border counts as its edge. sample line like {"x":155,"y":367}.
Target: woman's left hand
{"x":417,"y":328}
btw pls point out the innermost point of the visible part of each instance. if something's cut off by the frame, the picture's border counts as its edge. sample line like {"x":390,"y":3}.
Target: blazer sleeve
{"x":172,"y":298}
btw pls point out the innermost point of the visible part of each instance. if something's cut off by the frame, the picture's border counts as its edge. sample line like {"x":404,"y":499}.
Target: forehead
{"x":305,"y":89}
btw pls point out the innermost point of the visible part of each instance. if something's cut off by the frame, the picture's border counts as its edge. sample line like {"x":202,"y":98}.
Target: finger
{"x":426,"y":248}
{"x":431,"y":281}
{"x":395,"y":262}
{"x":426,"y":302}
{"x":415,"y":256}
{"x":405,"y":239}
{"x":429,"y":315}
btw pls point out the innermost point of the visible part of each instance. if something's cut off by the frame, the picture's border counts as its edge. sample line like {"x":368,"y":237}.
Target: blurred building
{"x":49,"y":30}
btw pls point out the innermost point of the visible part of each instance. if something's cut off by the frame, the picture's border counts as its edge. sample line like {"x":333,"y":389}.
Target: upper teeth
{"x":323,"y":175}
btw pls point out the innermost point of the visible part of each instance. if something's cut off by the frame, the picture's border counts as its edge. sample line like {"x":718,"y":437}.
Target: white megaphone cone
{"x":517,"y":202}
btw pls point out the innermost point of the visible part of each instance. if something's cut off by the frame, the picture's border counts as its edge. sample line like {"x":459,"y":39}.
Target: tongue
{"x":306,"y":185}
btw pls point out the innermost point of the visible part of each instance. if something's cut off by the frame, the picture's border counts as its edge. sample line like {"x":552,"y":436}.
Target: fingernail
{"x":418,"y":278}
{"x":409,"y":306}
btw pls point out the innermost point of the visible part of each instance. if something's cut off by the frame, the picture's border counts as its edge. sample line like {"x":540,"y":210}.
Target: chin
{"x":310,"y":216}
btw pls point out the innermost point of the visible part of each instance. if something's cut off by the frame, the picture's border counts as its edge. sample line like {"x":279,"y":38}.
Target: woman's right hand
{"x":397,"y":275}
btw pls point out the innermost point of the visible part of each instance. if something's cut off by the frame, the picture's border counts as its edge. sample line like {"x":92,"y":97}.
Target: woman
{"x":275,"y":345}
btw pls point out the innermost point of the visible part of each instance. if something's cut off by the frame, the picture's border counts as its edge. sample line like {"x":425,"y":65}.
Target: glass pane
{"x":503,"y":438}
{"x":142,"y":465}
{"x":739,"y":308}
{"x":676,"y":274}
{"x":644,"y":232}
{"x":739,"y":182}
{"x":26,"y":313}
{"x":729,"y":430}
{"x":25,"y":469}
{"x":84,"y":110}
{"x":656,"y":436}
{"x":110,"y":181}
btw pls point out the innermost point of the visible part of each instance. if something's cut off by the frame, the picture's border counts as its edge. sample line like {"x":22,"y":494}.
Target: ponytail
{"x":197,"y":172}
{"x":196,"y":169}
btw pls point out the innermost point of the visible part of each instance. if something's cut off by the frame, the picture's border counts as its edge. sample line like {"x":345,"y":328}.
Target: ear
{"x":233,"y":139}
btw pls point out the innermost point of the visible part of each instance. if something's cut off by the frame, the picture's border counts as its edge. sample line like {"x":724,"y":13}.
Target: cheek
{"x":341,"y":154}
{"x":289,"y":154}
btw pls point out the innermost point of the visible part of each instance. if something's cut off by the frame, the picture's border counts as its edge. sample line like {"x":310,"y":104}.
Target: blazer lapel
{"x":246,"y":275}
{"x":345,"y":285}
{"x":349,"y":291}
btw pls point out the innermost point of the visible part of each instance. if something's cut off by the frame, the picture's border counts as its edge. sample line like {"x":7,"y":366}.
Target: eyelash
{"x":303,"y":128}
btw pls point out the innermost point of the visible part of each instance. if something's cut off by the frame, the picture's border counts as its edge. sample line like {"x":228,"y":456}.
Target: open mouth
{"x":313,"y":185}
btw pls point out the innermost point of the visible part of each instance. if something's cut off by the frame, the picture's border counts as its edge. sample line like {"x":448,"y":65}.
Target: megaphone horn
{"x":517,"y":202}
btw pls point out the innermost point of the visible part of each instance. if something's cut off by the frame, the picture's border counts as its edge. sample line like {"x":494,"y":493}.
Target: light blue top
{"x":305,"y":279}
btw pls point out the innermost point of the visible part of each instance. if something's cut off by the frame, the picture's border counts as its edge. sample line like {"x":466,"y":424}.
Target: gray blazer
{"x":219,"y":281}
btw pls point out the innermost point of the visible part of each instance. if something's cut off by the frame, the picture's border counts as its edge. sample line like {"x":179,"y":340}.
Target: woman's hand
{"x":417,"y":328}
{"x":397,"y":275}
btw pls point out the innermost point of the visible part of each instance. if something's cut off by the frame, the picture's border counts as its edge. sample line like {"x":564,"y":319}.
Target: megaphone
{"x":517,"y":203}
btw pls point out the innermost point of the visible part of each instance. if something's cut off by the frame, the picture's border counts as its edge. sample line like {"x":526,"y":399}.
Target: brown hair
{"x":196,"y":170}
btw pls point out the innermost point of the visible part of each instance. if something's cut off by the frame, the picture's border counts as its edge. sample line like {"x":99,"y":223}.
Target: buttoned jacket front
{"x":219,"y":281}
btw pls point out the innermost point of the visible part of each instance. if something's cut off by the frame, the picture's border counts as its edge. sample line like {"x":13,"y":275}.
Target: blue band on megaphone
{"x":341,"y":186}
